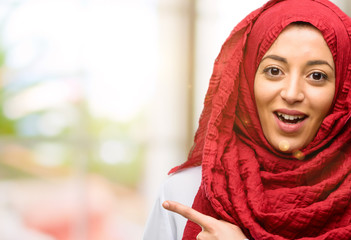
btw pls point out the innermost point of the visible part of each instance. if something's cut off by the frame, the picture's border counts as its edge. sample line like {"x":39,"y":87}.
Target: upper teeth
{"x":290,"y":117}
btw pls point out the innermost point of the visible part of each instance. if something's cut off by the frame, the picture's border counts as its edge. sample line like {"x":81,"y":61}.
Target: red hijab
{"x":245,"y":181}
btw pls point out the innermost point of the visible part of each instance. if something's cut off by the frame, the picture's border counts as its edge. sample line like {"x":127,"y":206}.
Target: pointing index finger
{"x":204,"y":221}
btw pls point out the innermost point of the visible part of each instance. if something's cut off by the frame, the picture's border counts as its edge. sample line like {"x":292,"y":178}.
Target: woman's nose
{"x":292,"y":91}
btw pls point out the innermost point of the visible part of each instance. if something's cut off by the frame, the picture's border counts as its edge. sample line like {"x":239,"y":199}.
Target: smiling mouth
{"x":290,"y":119}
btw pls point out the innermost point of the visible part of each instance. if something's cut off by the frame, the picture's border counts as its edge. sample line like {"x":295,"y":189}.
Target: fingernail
{"x":165,"y":204}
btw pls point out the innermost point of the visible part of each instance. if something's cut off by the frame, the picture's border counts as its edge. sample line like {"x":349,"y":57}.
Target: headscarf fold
{"x":245,"y":181}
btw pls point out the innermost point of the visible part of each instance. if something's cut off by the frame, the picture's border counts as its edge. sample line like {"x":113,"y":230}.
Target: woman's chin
{"x":289,"y":147}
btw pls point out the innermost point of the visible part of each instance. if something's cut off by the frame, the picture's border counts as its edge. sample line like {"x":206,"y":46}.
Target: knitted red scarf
{"x":245,"y":181}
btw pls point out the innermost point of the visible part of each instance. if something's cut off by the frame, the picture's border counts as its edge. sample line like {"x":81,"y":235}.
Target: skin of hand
{"x":212,"y":229}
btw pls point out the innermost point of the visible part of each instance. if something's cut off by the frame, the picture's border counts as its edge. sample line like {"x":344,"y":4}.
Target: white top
{"x":180,"y":187}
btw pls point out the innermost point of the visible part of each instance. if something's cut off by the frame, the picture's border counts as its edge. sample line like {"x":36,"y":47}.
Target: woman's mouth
{"x":290,"y":121}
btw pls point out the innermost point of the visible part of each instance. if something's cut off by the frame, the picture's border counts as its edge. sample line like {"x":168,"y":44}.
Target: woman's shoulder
{"x":186,"y":175}
{"x":183,"y":186}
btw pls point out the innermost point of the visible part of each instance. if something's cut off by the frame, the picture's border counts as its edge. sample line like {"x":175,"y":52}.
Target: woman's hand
{"x":212,"y":229}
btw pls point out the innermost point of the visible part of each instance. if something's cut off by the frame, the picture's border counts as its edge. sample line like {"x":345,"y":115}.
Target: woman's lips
{"x":290,"y":121}
{"x":290,"y":112}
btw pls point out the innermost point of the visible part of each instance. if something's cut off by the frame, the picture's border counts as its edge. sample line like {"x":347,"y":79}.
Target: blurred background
{"x":98,"y":100}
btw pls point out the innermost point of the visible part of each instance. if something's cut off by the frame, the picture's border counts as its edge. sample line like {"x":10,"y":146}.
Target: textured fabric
{"x":245,"y":181}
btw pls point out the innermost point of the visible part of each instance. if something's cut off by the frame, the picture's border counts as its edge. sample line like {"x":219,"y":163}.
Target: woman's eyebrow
{"x":275,"y":57}
{"x":319,"y":62}
{"x":309,"y":63}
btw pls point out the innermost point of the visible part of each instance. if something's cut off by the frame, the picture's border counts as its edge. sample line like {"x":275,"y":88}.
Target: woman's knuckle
{"x":200,"y":236}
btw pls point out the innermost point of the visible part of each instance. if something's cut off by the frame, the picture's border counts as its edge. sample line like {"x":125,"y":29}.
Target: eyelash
{"x":322,"y":75}
{"x":268,"y":72}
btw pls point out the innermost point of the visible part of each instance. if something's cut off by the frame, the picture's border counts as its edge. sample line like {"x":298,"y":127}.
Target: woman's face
{"x":294,"y":87}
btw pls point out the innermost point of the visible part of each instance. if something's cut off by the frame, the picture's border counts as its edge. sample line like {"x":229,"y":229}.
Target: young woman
{"x":272,"y":155}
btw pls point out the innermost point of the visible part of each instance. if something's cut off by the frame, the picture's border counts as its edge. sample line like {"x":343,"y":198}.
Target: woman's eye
{"x":318,"y":76}
{"x":273,"y":71}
